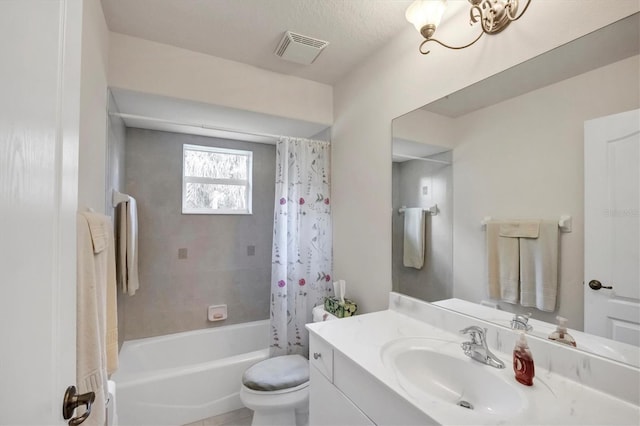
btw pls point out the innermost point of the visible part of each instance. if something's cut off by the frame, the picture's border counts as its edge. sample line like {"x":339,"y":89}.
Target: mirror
{"x":512,"y":147}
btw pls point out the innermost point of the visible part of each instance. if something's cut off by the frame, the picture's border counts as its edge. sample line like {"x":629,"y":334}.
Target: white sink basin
{"x":438,"y":369}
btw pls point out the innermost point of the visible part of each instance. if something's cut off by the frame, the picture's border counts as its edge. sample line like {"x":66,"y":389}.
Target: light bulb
{"x":423,"y":13}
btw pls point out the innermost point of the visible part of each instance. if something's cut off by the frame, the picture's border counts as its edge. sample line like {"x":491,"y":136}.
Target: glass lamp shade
{"x":424,"y":12}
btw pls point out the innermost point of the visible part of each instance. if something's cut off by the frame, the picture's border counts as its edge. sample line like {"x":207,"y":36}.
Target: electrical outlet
{"x":425,"y":190}
{"x":182,"y":253}
{"x":251,"y":250}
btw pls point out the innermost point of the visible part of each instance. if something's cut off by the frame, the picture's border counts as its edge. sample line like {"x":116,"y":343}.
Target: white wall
{"x":523,"y":158}
{"x":412,"y":127}
{"x":149,"y":67}
{"x":397,"y":80}
{"x":93,"y":106}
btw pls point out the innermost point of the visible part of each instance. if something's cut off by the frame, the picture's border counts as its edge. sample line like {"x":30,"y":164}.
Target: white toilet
{"x":277,"y":389}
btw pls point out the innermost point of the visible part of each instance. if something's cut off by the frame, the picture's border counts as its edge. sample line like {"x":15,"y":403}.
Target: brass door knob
{"x":73,"y":400}
{"x":597,"y":285}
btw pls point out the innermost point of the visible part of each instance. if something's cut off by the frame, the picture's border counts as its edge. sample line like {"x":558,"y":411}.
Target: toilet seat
{"x":273,"y":374}
{"x":276,"y":392}
{"x":282,"y":394}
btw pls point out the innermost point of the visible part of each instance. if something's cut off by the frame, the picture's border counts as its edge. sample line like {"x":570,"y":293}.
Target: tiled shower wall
{"x":174,"y":293}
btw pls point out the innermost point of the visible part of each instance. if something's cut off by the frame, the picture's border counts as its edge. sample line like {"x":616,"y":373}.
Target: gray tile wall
{"x":175,"y":293}
{"x":435,"y":280}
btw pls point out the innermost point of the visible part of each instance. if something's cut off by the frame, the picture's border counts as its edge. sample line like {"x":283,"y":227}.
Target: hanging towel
{"x":101,"y":239}
{"x":96,"y":323}
{"x":520,"y":229}
{"x":503,"y":267}
{"x":112,"y":310}
{"x":128,"y":247}
{"x":539,"y":268}
{"x":413,"y":238}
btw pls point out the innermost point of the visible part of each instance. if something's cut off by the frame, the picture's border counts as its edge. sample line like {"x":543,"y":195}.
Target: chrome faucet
{"x":477,"y":348}
{"x":521,"y":322}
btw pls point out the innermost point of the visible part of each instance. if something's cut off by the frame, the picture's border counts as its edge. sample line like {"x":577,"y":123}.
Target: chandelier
{"x":493,"y":16}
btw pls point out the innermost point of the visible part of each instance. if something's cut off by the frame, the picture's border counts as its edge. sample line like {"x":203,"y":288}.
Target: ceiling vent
{"x":300,"y":49}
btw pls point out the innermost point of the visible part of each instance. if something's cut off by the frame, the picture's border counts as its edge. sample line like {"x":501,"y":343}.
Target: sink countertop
{"x":361,"y":339}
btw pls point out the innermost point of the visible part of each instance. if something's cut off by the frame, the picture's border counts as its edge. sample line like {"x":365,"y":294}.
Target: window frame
{"x":248,"y":183}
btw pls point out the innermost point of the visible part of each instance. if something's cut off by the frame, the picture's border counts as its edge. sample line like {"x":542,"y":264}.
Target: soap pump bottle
{"x":523,"y":362}
{"x":561,"y":335}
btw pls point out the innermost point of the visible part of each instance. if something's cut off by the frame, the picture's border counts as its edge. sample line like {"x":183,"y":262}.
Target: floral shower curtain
{"x":301,"y":253}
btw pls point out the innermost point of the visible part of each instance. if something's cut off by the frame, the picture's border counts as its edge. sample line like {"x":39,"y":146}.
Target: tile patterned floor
{"x":241,"y":417}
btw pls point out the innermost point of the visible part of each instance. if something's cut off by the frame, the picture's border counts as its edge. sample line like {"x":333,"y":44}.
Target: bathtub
{"x":184,"y":377}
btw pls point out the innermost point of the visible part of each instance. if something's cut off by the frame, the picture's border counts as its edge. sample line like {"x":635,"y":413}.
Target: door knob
{"x":72,"y":401}
{"x":597,"y":285}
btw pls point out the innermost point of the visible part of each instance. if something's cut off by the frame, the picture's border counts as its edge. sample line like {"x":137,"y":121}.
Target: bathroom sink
{"x":431,"y":369}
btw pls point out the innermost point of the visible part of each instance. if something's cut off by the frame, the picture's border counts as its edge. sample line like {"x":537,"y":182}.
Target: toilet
{"x":277,"y":389}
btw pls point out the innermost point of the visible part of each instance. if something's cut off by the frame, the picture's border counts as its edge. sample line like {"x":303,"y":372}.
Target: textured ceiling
{"x":248,"y":31}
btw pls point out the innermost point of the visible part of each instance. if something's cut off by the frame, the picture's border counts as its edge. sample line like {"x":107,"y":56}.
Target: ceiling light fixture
{"x":493,"y":15}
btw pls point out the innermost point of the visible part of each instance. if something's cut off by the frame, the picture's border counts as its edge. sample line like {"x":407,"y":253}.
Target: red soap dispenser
{"x":523,"y":362}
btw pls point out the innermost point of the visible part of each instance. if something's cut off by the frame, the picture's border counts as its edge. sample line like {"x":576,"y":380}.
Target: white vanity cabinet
{"x":343,"y":394}
{"x":371,"y":369}
{"x":328,"y":406}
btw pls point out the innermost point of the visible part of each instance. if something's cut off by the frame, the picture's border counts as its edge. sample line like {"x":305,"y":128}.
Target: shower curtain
{"x":301,"y":252}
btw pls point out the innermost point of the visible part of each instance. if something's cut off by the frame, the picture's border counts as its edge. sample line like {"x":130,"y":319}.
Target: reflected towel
{"x":128,"y":247}
{"x":413,"y":253}
{"x":503,"y":269}
{"x":539,"y":268}
{"x":520,"y":229}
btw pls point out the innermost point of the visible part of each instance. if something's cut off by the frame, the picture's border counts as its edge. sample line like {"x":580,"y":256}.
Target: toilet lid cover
{"x":281,"y":372}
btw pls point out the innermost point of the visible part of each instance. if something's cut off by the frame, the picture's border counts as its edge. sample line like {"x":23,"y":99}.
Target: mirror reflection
{"x":512,"y":148}
{"x":422,"y":182}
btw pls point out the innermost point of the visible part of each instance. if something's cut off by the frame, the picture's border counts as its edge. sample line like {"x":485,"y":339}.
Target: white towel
{"x":128,"y":247}
{"x":520,"y":229}
{"x":95,"y":280}
{"x":101,"y":239}
{"x":413,"y":253}
{"x":503,"y":270}
{"x":539,"y":268}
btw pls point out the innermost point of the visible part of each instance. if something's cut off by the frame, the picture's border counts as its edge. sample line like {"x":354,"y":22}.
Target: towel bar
{"x":564,"y":223}
{"x":118,"y":198}
{"x":433,"y":210}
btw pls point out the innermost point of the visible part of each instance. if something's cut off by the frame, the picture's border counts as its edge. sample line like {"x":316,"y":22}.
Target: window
{"x":216,"y":180}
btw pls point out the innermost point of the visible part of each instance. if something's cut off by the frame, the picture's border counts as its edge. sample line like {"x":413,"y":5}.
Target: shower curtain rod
{"x":422,"y":159}
{"x":201,"y":126}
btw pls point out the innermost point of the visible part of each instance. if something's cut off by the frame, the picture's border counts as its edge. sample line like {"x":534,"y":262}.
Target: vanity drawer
{"x":321,"y":356}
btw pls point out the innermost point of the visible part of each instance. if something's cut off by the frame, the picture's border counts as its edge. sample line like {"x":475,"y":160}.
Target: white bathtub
{"x":184,"y":377}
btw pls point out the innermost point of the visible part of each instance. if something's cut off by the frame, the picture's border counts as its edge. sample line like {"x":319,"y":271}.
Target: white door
{"x":612,"y":227}
{"x":39,"y":120}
